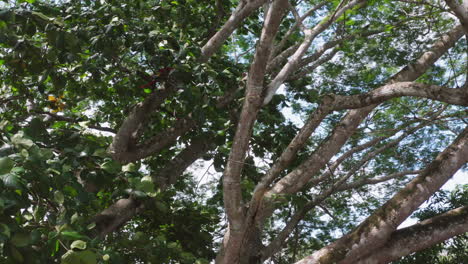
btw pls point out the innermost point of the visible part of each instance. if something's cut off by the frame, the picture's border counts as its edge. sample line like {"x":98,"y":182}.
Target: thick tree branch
{"x":125,"y":148}
{"x":232,"y":195}
{"x":460,"y":8}
{"x":420,"y":236}
{"x":123,"y":210}
{"x":377,"y":228}
{"x":197,"y":148}
{"x":295,"y":180}
{"x":389,"y":91}
{"x":279,"y":240}
{"x":131,"y":128}
{"x":156,"y":143}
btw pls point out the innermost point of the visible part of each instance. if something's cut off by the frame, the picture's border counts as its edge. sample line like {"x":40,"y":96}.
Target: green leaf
{"x":20,"y":141}
{"x":5,"y":230}
{"x":111,"y":167}
{"x":16,"y":255}
{"x":58,"y":197}
{"x":71,"y":235}
{"x":6,"y":164}
{"x":20,"y":239}
{"x":78,"y":244}
{"x":11,"y":180}
{"x":88,"y":257}
{"x":101,"y":152}
{"x":130,"y":167}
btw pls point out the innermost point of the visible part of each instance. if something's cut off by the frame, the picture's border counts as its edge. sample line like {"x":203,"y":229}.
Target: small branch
{"x":368,"y":181}
{"x":310,"y":35}
{"x":314,"y":66}
{"x":72,"y":120}
{"x":220,"y":13}
{"x":298,"y":23}
{"x":243,"y":10}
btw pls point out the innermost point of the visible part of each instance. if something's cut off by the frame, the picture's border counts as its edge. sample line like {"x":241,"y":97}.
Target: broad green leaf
{"x":5,"y":230}
{"x":21,"y":239}
{"x":59,"y":197}
{"x":101,"y":152}
{"x":130,"y":167}
{"x":71,"y":235}
{"x":11,"y":180}
{"x":16,"y":255}
{"x":111,"y":167}
{"x":20,"y":141}
{"x":6,"y":164}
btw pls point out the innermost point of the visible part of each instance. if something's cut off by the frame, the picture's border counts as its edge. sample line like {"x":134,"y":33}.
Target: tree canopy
{"x":322,"y":126}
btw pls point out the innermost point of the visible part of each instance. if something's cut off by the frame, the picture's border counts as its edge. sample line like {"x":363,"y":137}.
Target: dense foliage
{"x":72,"y":73}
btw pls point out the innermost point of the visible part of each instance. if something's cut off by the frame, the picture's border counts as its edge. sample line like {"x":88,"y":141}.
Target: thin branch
{"x":72,"y":120}
{"x":310,"y":35}
{"x":368,"y":181}
{"x":243,"y":10}
{"x":291,"y":30}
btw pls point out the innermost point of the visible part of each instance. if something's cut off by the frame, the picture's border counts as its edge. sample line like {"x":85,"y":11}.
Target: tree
{"x":106,"y":104}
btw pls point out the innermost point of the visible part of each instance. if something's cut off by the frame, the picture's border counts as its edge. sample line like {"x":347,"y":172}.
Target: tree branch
{"x":297,"y":178}
{"x":420,"y":236}
{"x":399,"y":89}
{"x":243,"y":10}
{"x":252,"y":103}
{"x":310,"y":35}
{"x":279,"y":240}
{"x":262,"y":202}
{"x":298,"y":23}
{"x":461,"y":11}
{"x":125,"y":209}
{"x":125,"y":140}
{"x":377,"y":228}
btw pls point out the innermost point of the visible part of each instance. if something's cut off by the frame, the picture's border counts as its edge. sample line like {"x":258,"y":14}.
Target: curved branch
{"x":243,"y":10}
{"x":297,"y":24}
{"x":399,"y":89}
{"x":119,"y":213}
{"x":132,"y":126}
{"x":461,"y":11}
{"x":279,"y":240}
